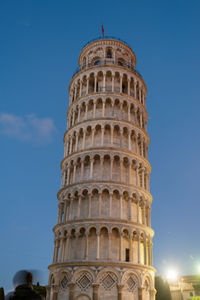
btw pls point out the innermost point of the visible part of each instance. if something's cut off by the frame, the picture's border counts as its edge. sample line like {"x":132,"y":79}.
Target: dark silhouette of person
{"x":23,"y":283}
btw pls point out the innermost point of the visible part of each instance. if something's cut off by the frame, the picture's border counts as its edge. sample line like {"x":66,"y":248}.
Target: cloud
{"x":27,"y":128}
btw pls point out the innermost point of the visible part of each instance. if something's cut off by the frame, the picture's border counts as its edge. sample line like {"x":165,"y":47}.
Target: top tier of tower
{"x":107,"y":51}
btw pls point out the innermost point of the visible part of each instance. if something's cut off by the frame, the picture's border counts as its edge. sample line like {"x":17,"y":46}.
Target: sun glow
{"x":172,"y":275}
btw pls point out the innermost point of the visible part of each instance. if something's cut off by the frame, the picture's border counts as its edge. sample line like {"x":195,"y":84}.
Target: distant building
{"x":185,"y":287}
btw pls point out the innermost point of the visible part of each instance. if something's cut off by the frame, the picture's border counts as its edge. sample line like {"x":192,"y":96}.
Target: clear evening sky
{"x":39,"y":46}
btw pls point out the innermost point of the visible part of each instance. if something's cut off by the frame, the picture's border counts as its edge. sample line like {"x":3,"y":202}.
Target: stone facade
{"x":185,"y":288}
{"x":103,"y":236}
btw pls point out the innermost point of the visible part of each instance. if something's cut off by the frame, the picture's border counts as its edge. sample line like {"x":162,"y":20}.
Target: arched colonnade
{"x":107,"y":108}
{"x":108,"y":81}
{"x":100,"y":242}
{"x":105,"y":135}
{"x":104,"y":204}
{"x":105,"y":167}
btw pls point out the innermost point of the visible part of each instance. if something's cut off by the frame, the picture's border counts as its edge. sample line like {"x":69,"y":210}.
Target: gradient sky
{"x":39,"y":46}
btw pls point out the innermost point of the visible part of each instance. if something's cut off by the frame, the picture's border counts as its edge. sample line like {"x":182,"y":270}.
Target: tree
{"x":162,"y":288}
{"x":1,"y":293}
{"x":40,"y":289}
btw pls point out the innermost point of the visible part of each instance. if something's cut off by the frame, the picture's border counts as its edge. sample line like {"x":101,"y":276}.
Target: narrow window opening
{"x":127,"y":254}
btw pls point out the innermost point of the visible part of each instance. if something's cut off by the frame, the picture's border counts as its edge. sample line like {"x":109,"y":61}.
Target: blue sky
{"x":40,"y":43}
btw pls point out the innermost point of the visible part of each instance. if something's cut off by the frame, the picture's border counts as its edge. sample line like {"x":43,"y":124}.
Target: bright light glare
{"x":198,"y":268}
{"x":172,"y":275}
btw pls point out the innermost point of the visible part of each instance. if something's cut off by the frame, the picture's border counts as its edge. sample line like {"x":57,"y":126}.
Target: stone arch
{"x":115,"y":240}
{"x":94,"y":203}
{"x":83,"y":297}
{"x":115,"y":211}
{"x":103,"y":243}
{"x":108,"y":280}
{"x":92,"y":243}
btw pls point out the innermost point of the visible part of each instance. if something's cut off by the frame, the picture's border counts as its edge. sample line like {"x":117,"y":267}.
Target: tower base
{"x":100,"y":281}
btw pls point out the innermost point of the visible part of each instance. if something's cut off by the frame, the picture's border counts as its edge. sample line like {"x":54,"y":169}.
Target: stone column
{"x":67,"y":248}
{"x":101,"y":167}
{"x":99,"y":208}
{"x":113,"y":82}
{"x":145,"y":250}
{"x":65,"y":210}
{"x":131,"y":248}
{"x":91,"y":168}
{"x":121,"y":110}
{"x":73,"y":118}
{"x":76,"y":145}
{"x":95,"y":291}
{"x":110,"y":205}
{"x":90,"y":205}
{"x":71,"y":286}
{"x":95,"y":83}
{"x":82,"y":169}
{"x":129,"y":112}
{"x":103,"y":109}
{"x":111,"y":136}
{"x":120,"y":246}
{"x":109,"y":245}
{"x":81,"y":85}
{"x":98,"y":244}
{"x":94,"y":110}
{"x":140,"y":119}
{"x":70,"y":147}
{"x":79,"y":206}
{"x":121,"y":83}
{"x":141,"y":293}
{"x":48,"y":292}
{"x":71,"y":209}
{"x":143,"y":178}
{"x":111,"y":167}
{"x":86,"y":111}
{"x":74,"y":174}
{"x":138,"y":207}
{"x":140,"y":98}
{"x":120,"y":291}
{"x":87,"y":88}
{"x":135,"y":89}
{"x":83,"y":143}
{"x":86,"y":247}
{"x":92,"y":140}
{"x":129,"y":171}
{"x":130,"y":213}
{"x":129,"y":86}
{"x":121,"y":136}
{"x":68,"y":174}
{"x":129,"y":140}
{"x":120,"y":206}
{"x":136,"y":144}
{"x":137,"y":174}
{"x":61,"y":250}
{"x":121,"y":169}
{"x":139,"y":256}
{"x":104,"y":82}
{"x":55,"y":292}
{"x":79,"y":113}
{"x":102,"y":136}
{"x":135,"y":116}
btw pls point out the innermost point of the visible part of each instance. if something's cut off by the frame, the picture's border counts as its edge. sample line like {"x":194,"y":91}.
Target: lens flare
{"x":172,"y":275}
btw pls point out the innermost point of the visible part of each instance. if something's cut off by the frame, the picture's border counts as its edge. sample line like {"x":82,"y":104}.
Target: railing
{"x":104,"y":62}
{"x":107,"y":37}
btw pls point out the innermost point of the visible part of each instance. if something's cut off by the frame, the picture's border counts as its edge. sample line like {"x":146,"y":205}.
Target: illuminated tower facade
{"x":103,"y":236}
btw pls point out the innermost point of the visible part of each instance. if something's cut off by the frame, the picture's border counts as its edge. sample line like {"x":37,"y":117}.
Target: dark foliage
{"x":162,"y":288}
{"x":1,"y":293}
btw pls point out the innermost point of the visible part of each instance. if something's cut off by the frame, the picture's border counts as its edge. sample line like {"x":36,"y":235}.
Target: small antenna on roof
{"x":102,"y":29}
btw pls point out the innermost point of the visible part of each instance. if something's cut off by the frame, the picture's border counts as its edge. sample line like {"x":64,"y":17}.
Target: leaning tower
{"x":103,"y":235}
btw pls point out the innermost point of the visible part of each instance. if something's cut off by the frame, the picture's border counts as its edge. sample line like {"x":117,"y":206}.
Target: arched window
{"x":109,"y":53}
{"x":97,"y":62}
